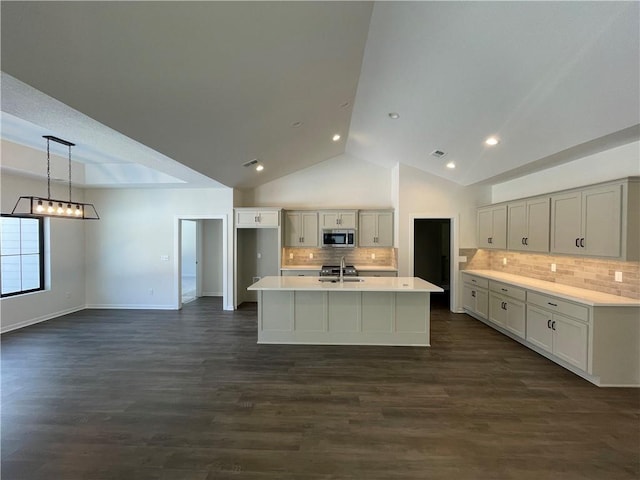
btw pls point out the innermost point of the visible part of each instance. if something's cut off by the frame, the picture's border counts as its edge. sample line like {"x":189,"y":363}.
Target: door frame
{"x":453,"y":253}
{"x":177,"y":257}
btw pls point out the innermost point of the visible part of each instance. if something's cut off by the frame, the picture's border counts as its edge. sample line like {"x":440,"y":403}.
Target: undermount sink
{"x":337,"y":279}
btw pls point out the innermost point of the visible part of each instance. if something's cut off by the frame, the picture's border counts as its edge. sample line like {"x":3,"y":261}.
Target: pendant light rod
{"x":59,"y":140}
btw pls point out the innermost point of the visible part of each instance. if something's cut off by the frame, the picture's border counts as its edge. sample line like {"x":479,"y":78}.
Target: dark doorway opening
{"x":432,"y":256}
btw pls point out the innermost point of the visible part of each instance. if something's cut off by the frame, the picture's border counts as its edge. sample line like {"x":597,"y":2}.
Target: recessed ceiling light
{"x":394,"y":115}
{"x":336,"y":137}
{"x":296,"y":124}
{"x":259,"y":168}
{"x":492,"y":141}
{"x":451,"y":165}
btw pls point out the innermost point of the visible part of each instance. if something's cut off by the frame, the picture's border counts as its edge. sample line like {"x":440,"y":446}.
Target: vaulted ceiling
{"x":194,"y":90}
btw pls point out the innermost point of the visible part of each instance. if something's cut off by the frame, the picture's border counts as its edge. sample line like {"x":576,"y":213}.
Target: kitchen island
{"x":358,"y":311}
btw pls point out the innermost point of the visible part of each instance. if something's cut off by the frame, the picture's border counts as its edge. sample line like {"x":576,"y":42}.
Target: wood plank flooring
{"x":189,"y":395}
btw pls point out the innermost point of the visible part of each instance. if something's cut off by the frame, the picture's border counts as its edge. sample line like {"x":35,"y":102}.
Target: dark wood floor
{"x":137,"y":395}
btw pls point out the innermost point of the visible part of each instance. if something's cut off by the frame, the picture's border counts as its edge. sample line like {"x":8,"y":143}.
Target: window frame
{"x":41,"y":254}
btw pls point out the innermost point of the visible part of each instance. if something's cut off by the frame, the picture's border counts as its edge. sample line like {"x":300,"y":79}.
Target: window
{"x":21,"y":255}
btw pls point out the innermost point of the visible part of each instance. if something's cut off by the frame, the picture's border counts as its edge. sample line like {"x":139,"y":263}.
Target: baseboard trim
{"x":211,"y":294}
{"x":41,"y":319}
{"x":112,"y":306}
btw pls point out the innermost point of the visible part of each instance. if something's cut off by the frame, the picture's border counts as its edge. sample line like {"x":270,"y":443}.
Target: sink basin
{"x":337,"y":279}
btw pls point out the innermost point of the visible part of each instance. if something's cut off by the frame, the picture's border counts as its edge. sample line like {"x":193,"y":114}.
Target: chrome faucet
{"x":342,"y":266}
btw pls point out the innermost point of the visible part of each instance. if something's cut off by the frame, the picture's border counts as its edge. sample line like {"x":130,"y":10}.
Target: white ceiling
{"x":148,"y":88}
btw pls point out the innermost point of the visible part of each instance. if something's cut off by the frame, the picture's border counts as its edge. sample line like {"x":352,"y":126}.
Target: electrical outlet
{"x":311,"y":256}
{"x":164,"y":258}
{"x":618,"y":276}
{"x":373,"y":256}
{"x":462,"y":259}
{"x":259,"y":255}
{"x":553,"y":267}
{"x":256,"y":279}
{"x":504,"y":260}
{"x":151,"y":291}
{"x":291,"y":256}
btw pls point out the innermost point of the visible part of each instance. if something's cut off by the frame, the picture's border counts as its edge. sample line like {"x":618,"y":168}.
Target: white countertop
{"x":575,"y":294}
{"x":360,"y":268}
{"x":370,"y":284}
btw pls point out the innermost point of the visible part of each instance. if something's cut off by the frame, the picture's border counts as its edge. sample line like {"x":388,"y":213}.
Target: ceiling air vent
{"x":438,"y":153}
{"x":250,"y":163}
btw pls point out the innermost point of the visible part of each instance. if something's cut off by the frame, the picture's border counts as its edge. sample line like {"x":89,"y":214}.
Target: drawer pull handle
{"x":553,"y":304}
{"x":504,"y":289}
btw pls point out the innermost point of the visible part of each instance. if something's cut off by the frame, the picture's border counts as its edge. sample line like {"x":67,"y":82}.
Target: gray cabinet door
{"x":601,"y":221}
{"x":537,"y":214}
{"x":517,"y":231}
{"x":566,"y":219}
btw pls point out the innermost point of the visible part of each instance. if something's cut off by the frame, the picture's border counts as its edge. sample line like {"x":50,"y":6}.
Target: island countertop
{"x":364,"y":284}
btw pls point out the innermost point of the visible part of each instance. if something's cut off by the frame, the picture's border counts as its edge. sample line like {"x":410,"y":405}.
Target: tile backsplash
{"x":331,"y":256}
{"x":589,"y":273}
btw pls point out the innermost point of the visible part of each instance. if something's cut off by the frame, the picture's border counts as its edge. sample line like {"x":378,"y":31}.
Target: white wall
{"x":342,"y":181}
{"x":212,"y":258}
{"x":189,"y":253}
{"x":619,"y":162}
{"x":127,"y":248}
{"x":64,"y":261}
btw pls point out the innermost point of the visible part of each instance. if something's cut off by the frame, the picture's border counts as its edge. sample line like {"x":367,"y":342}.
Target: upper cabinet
{"x":577,"y":216}
{"x":528,"y":225}
{"x":492,"y":227}
{"x":375,"y":229}
{"x":599,"y":221}
{"x":301,"y":229}
{"x":257,"y":218}
{"x":338,"y":219}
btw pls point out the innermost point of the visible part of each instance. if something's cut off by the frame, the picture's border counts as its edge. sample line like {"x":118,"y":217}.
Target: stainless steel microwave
{"x":338,"y":238}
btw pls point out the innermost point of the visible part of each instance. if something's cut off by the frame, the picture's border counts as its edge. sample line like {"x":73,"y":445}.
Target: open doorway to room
{"x":432,"y":256}
{"x":202,"y":254}
{"x":189,"y":260}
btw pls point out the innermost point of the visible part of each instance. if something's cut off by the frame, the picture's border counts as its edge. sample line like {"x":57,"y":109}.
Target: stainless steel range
{"x":334,"y":271}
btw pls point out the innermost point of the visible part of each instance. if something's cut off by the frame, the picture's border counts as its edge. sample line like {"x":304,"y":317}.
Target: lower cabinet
{"x":601,"y":343}
{"x":508,"y":313}
{"x":475,"y":295}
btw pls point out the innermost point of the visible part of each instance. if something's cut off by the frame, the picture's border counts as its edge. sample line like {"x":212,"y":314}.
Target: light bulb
{"x":69,"y":209}
{"x":60,"y":209}
{"x":40,"y":207}
{"x":78,"y":211}
{"x":259,"y":168}
{"x":491,"y":141}
{"x":50,"y":208}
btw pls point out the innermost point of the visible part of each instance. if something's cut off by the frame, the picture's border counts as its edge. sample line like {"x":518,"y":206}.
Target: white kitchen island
{"x":363,"y":311}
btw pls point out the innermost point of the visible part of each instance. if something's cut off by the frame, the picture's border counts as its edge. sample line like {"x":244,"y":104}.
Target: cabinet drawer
{"x":477,"y":281}
{"x":554,"y":304}
{"x":508,"y":290}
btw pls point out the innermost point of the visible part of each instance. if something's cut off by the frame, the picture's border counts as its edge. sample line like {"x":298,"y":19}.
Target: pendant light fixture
{"x":50,"y":207}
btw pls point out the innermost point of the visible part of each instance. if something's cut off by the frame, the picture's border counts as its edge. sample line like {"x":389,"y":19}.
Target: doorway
{"x":432,"y":256}
{"x":189,"y":260}
{"x":201,"y":255}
